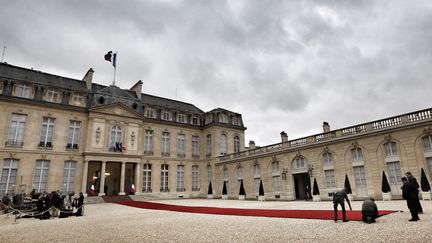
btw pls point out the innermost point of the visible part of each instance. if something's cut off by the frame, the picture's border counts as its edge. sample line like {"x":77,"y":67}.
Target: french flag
{"x":111,"y":57}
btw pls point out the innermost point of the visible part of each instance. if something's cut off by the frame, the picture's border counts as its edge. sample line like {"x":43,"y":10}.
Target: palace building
{"x":75,"y":135}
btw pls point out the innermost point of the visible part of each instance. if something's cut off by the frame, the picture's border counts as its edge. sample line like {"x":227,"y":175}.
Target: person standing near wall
{"x":410,"y":194}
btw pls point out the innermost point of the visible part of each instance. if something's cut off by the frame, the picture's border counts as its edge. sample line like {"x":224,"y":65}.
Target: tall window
{"x":330,"y":178}
{"x":195,"y":185}
{"x":257,"y":177}
{"x":236,"y":144}
{"x":427,"y":143}
{"x":209,"y":174}
{"x":429,"y":163}
{"x":276,"y":176}
{"x":165,"y":144}
{"x":53,"y":96}
{"x":359,"y":176}
{"x":16,"y":130}
{"x":180,"y":178}
{"x":40,"y":177}
{"x":226,"y":179}
{"x":328,"y":159}
{"x":394,"y":172}
{"x":209,"y":145}
{"x":147,"y":175}
{"x":68,"y":184}
{"x":148,"y":142}
{"x":195,"y":146}
{"x":390,"y":149}
{"x":181,"y":145}
{"x":239,"y":176}
{"x":8,"y":176}
{"x":73,"y":135}
{"x":47,"y":132}
{"x":223,"y":144}
{"x":164,"y":178}
{"x":22,"y":90}
{"x":116,"y":136}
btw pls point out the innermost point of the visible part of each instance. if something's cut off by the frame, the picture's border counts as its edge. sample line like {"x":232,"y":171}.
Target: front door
{"x":302,"y":186}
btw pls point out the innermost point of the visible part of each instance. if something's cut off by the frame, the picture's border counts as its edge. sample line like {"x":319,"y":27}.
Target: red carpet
{"x":278,"y":213}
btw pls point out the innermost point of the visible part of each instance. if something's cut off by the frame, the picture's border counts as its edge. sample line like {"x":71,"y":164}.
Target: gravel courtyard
{"x":109,"y":222}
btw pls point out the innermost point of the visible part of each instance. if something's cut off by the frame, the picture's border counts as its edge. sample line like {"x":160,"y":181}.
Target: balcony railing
{"x":405,"y":119}
{"x":12,"y":143}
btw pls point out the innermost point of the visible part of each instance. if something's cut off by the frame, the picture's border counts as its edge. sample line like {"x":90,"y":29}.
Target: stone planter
{"x":209,"y":196}
{"x":261,"y":198}
{"x":426,"y":195}
{"x":241,"y":197}
{"x":387,"y":196}
{"x":225,"y":197}
{"x":316,"y":198}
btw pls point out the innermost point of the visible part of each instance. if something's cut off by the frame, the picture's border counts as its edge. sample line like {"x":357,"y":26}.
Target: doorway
{"x":302,"y":186}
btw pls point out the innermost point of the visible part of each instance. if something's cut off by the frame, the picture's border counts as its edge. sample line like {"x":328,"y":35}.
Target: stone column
{"x":122,"y":178}
{"x":102,"y":179}
{"x":137,"y":180}
{"x":84,"y":178}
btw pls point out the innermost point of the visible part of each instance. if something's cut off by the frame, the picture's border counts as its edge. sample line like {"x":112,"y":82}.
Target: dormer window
{"x":181,"y":118}
{"x":78,"y":99}
{"x":195,"y":120}
{"x":234,"y":120}
{"x":1,"y":87}
{"x":22,"y":90}
{"x":166,"y":115}
{"x":149,"y":112}
{"x":53,"y":96}
{"x":209,"y":119}
{"x":223,"y":118}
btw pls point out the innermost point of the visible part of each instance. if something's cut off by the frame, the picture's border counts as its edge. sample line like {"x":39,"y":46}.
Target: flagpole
{"x":115,"y":67}
{"x":4,"y":49}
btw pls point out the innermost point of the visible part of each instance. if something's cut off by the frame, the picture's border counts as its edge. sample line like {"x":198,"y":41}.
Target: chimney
{"x":284,"y":136}
{"x":326,"y":127}
{"x":251,"y":144}
{"x":88,"y":78}
{"x":137,"y":88}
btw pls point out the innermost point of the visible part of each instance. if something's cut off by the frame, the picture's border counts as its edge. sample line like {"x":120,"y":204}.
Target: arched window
{"x":116,"y":136}
{"x":356,"y":154}
{"x":328,"y":159}
{"x":236,"y":144}
{"x":359,"y":171}
{"x":223,"y":144}
{"x":427,"y":143}
{"x":390,"y":149}
{"x":299,"y":162}
{"x":329,"y":172}
{"x":257,"y":177}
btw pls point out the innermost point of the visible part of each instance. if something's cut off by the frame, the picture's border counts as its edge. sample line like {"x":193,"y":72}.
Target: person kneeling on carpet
{"x":339,"y":198}
{"x":369,"y":211}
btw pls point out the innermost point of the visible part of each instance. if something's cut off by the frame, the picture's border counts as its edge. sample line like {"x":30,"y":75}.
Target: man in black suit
{"x":410,"y":194}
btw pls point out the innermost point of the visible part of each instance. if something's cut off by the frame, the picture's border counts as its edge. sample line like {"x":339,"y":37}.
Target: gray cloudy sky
{"x":284,"y":65}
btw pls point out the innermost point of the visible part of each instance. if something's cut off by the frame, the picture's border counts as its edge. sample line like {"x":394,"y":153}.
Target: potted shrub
{"x":261,"y":192}
{"x":315,"y":192}
{"x":210,"y":191}
{"x":224,"y":191}
{"x":242,"y":193}
{"x":425,"y":186}
{"x":347,"y":187}
{"x":385,"y":188}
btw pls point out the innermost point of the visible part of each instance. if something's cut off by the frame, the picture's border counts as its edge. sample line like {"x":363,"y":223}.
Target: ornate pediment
{"x":117,"y":109}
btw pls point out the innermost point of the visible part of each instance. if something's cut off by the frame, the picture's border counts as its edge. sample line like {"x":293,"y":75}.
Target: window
{"x":276,"y":176}
{"x":359,"y":176}
{"x":236,"y":144}
{"x":78,"y":99}
{"x":223,"y":118}
{"x":209,"y":119}
{"x":195,"y":146}
{"x":180,"y":178}
{"x":40,"y":178}
{"x":148,"y":142}
{"x":209,"y":174}
{"x":299,"y":163}
{"x":429,"y":163}
{"x":68,"y":184}
{"x":257,"y":177}
{"x":427,"y":143}
{"x":195,"y":120}
{"x":73,"y":135}
{"x":1,"y":87}
{"x":166,"y":115}
{"x":47,"y":132}
{"x":394,"y":172}
{"x":181,"y":145}
{"x":16,"y":130}
{"x":8,"y":176}
{"x":181,"y":118}
{"x":239,"y":176}
{"x":226,"y":179}
{"x":390,"y":149}
{"x":234,"y":120}
{"x":116,"y":138}
{"x":328,"y":159}
{"x":165,"y":144}
{"x":195,"y":185}
{"x":209,"y":145}
{"x":356,"y":154}
{"x":22,"y":91}
{"x":223,"y":144}
{"x":53,"y":96}
{"x":330,"y":178}
{"x":164,"y":178}
{"x":149,"y":112}
{"x":147,"y":171}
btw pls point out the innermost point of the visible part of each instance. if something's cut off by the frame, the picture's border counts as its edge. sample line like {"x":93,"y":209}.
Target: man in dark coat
{"x":410,"y":194}
{"x":369,"y":211}
{"x":339,"y":199}
{"x":80,"y":205}
{"x":413,"y":180}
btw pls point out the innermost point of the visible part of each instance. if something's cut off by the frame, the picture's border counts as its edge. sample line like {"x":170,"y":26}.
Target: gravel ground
{"x":109,"y":222}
